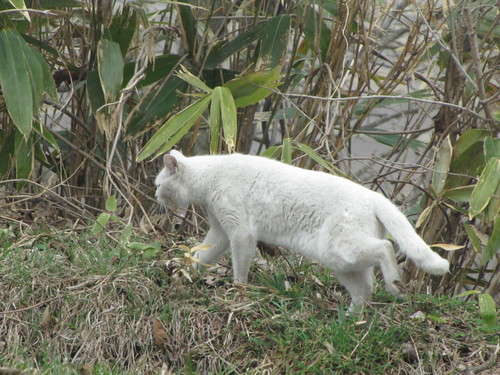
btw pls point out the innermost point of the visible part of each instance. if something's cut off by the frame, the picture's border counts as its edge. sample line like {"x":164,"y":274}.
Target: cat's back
{"x":243,"y":171}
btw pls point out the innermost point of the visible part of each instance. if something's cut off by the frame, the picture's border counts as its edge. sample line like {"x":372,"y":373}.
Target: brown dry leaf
{"x":160,"y":335}
{"x":9,"y":371}
{"x":87,"y":369}
{"x":46,"y":318}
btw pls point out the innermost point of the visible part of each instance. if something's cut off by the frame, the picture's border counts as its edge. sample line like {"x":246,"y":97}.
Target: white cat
{"x":326,"y":218}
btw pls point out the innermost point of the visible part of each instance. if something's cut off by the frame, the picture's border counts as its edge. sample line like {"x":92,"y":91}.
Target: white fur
{"x":329,"y":219}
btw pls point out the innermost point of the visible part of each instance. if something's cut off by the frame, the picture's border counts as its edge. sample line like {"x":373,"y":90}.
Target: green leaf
{"x":486,"y":186}
{"x":491,"y":148}
{"x":15,"y":80}
{"x":228,"y":115}
{"x":223,"y":50}
{"x":123,"y":26}
{"x":465,"y":294}
{"x":493,"y":208}
{"x":250,"y":88}
{"x":488,"y":311}
{"x":215,"y":120}
{"x":188,"y":25}
{"x":126,"y":234}
{"x":286,"y":155}
{"x":95,"y":94}
{"x":154,"y":106}
{"x":469,"y":139}
{"x":7,"y":153}
{"x":318,"y":159}
{"x":101,"y":222}
{"x":159,"y":70}
{"x":442,"y":166}
{"x":178,"y":125}
{"x":272,"y":152}
{"x":493,"y":246}
{"x":391,"y":139}
{"x":54,"y":4}
{"x":111,"y":203}
{"x":19,"y":4}
{"x":460,"y":194}
{"x":473,"y":237}
{"x":190,"y":78}
{"x":274,"y":42}
{"x":37,"y":127}
{"x":316,"y":32}
{"x":110,"y":68}
{"x":24,"y":157}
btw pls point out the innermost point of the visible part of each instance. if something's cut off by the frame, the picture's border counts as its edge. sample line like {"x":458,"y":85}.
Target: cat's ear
{"x":171,"y":164}
{"x":177,"y":154}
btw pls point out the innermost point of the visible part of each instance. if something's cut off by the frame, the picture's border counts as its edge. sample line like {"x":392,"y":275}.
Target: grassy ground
{"x":72,"y":302}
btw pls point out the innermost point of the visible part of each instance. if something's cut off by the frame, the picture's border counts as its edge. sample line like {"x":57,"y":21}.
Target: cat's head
{"x":169,"y":186}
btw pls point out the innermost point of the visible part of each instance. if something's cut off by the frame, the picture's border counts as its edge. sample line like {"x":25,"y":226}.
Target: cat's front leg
{"x":218,"y":241}
{"x":243,"y":247}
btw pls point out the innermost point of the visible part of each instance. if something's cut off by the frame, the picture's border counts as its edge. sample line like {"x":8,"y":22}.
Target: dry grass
{"x":73,"y":302}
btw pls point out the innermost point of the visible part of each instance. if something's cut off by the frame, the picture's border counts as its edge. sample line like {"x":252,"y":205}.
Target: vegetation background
{"x":400,"y":96}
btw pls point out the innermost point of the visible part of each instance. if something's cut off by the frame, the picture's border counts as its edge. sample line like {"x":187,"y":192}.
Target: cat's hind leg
{"x":359,"y":284}
{"x":376,"y":252}
{"x":389,"y":266}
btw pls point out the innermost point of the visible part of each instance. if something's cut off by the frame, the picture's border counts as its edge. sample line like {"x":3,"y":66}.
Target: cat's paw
{"x":397,"y":289}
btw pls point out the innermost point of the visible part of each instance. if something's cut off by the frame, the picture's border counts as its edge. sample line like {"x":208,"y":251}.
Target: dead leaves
{"x":46,"y":321}
{"x":160,"y":335}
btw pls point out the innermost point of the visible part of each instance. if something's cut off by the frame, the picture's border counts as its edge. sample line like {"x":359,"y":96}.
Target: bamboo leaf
{"x":491,"y":148}
{"x":423,"y":216}
{"x":154,"y":106}
{"x":201,"y":248}
{"x":110,"y":68}
{"x":442,"y":166}
{"x":188,"y":25}
{"x":228,"y":115}
{"x":215,"y":120}
{"x":23,"y":158}
{"x":286,"y":155}
{"x":190,"y":78}
{"x":95,"y":94}
{"x":272,"y":152}
{"x":159,"y":70}
{"x":493,"y":246}
{"x":392,"y":139}
{"x":274,"y":42}
{"x":318,"y":159}
{"x":460,"y":194}
{"x":19,"y":4}
{"x":469,"y":139}
{"x":176,"y":125}
{"x":448,"y":247}
{"x":486,"y":186}
{"x":223,"y":50}
{"x":316,"y":32}
{"x":473,"y":237}
{"x":37,"y":127}
{"x":123,"y":26}
{"x":253,"y":87}
{"x":15,"y":80}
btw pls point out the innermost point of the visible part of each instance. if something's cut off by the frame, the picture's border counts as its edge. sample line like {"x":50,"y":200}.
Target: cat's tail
{"x":409,"y":242}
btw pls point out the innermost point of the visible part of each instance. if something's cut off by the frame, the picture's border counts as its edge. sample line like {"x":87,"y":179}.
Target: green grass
{"x":102,"y":300}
